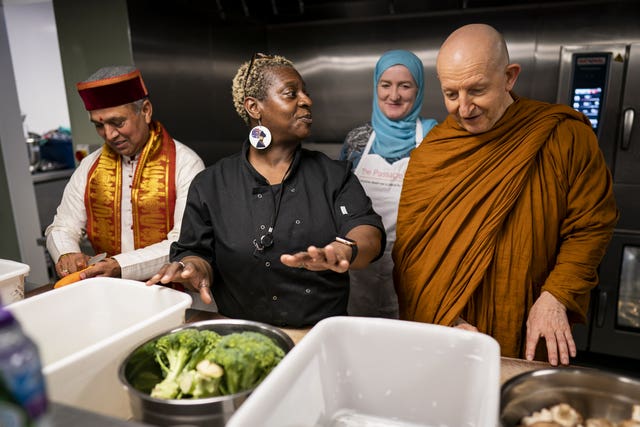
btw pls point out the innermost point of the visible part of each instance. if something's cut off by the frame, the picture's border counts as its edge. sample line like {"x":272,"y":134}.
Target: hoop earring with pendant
{"x":260,"y":136}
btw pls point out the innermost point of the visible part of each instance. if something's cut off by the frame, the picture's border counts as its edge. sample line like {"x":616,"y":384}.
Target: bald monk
{"x":506,"y":209}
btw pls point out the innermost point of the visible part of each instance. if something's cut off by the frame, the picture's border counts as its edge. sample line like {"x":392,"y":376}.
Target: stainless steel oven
{"x":615,"y":314}
{"x":602,"y":82}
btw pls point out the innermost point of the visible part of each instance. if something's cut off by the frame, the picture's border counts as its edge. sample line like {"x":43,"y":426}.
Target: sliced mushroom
{"x":565,"y":415}
{"x":544,"y":415}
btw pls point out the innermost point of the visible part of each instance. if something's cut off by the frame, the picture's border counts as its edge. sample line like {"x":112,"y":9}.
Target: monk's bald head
{"x":475,"y":42}
{"x":476,"y":77}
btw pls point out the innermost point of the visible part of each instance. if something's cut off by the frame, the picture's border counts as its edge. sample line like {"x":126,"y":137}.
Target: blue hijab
{"x":395,"y":139}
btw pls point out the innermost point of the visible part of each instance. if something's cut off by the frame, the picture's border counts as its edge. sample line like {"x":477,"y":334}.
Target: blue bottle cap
{"x":6,"y":318}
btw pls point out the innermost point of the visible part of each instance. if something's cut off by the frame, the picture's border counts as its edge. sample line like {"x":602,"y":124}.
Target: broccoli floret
{"x":247,"y":358}
{"x":209,"y":340}
{"x":203,"y":381}
{"x":173,"y":352}
{"x":142,"y":371}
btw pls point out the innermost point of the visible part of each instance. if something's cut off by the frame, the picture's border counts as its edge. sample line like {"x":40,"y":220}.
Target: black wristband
{"x":352,"y":244}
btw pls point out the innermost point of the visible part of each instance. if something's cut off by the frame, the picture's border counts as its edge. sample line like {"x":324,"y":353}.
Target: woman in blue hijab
{"x":379,"y":152}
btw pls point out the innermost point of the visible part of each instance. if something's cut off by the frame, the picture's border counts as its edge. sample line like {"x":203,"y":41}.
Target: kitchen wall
{"x":35,"y":54}
{"x":19,"y":225}
{"x":187,"y":64}
{"x":189,"y":56}
{"x":92,"y":34}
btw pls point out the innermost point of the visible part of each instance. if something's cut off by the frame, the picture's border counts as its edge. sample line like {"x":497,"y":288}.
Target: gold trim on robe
{"x":153,"y":194}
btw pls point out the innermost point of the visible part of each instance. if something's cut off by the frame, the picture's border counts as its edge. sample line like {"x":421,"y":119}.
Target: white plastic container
{"x":380,"y":372}
{"x":12,"y":276}
{"x":86,"y":329}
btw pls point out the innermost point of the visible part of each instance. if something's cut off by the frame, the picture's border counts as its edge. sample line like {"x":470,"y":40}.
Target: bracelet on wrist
{"x":352,"y":244}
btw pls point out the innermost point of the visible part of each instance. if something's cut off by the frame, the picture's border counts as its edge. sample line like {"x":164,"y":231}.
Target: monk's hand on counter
{"x":548,"y":319}
{"x":191,"y":271}
{"x":108,"y":267}
{"x":71,"y":262}
{"x":319,"y":259}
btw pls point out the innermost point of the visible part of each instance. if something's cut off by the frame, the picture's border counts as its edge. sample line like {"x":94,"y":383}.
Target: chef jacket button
{"x":298,"y":222}
{"x":267,"y":264}
{"x":293,"y":190}
{"x":259,"y":196}
{"x":308,"y":290}
{"x":262,"y":227}
{"x":275,"y":298}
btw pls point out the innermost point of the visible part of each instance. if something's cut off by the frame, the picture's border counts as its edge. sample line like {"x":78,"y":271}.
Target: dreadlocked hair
{"x":254,"y":85}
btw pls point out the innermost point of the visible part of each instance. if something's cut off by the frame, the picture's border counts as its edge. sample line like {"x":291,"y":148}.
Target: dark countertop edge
{"x":51,"y":175}
{"x":61,"y":415}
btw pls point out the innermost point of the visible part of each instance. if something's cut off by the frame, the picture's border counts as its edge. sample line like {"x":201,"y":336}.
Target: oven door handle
{"x":602,"y":309}
{"x":628,"y":117}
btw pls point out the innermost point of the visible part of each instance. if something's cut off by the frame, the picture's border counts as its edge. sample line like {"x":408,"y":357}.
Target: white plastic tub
{"x":351,"y":371}
{"x":12,"y":276}
{"x":86,"y":329}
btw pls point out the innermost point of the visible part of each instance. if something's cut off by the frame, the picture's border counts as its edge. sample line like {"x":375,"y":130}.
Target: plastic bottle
{"x":23,"y":397}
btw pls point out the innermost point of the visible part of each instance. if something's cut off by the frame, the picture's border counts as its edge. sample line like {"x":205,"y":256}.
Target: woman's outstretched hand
{"x":319,"y":259}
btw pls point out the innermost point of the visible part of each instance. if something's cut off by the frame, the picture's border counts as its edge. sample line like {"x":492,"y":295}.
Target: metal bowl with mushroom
{"x":189,"y":400}
{"x":570,"y":397}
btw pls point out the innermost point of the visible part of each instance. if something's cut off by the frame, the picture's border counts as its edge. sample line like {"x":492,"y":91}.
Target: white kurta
{"x":70,"y":221}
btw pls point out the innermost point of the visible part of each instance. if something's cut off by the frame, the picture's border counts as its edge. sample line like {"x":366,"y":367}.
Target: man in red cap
{"x":127,"y":198}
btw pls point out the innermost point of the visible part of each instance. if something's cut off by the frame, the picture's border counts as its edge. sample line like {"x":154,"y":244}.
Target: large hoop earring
{"x":260,"y":137}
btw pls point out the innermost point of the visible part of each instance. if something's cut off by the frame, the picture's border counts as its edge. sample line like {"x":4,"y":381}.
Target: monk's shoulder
{"x":576,"y":134}
{"x":574,"y":147}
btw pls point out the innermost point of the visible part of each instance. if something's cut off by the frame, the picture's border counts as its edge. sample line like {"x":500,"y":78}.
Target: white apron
{"x":371,"y":290}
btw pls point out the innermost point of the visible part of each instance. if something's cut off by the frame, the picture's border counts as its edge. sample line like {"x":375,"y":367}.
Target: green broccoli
{"x":247,"y":358}
{"x":142,"y":370}
{"x":200,"y":378}
{"x":193,"y":363}
{"x":209,"y":340}
{"x":203,"y":381}
{"x":174,"y":352}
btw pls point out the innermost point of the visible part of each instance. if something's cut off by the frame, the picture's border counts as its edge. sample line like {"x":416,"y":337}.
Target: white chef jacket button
{"x":293,"y":190}
{"x":262,"y":227}
{"x":298,"y":221}
{"x":308,"y":290}
{"x":267,"y":264}
{"x":274,"y":298}
{"x":259,"y":196}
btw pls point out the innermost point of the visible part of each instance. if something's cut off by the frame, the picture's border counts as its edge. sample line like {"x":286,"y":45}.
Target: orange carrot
{"x":69,"y":279}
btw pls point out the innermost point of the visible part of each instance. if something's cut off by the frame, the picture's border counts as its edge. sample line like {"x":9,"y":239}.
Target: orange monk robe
{"x":487,"y":222}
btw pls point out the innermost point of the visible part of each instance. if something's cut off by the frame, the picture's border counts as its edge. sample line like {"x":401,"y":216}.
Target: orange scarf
{"x":153,"y":194}
{"x":482,"y":217}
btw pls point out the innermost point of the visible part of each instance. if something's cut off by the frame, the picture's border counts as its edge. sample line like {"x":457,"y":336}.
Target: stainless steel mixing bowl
{"x":592,"y":392}
{"x":209,"y":412}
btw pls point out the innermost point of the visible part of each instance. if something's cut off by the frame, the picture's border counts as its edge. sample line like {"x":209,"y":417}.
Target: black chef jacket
{"x":230,"y":205}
